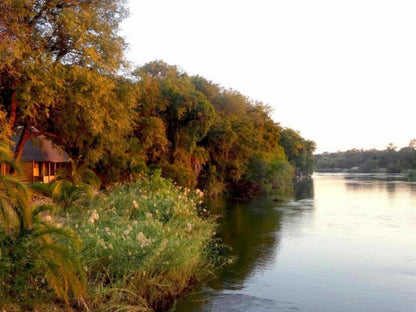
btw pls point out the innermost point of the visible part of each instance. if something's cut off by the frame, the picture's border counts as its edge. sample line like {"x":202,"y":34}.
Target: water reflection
{"x":304,"y":189}
{"x":252,"y":229}
{"x":249,"y":229}
{"x":351,"y":248}
{"x":377,"y":182}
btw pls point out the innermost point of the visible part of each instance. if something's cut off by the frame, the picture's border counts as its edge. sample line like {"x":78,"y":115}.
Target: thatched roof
{"x":41,"y":149}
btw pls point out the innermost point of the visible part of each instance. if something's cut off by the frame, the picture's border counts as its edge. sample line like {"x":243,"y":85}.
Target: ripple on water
{"x":246,"y":303}
{"x":304,"y":204}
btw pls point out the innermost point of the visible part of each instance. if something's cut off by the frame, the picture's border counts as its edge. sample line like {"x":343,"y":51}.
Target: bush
{"x":36,"y":255}
{"x":140,"y":237}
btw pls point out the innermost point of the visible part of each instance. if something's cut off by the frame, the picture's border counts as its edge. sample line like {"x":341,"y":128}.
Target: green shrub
{"x":43,"y":188}
{"x":38,"y":259}
{"x":74,"y":185}
{"x":142,"y":236}
{"x":36,"y":255}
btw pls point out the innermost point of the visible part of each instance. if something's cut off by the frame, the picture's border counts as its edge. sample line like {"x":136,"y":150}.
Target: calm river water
{"x":347,"y":243}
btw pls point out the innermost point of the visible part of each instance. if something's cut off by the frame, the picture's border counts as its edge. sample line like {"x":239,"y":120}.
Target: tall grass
{"x":144,"y":244}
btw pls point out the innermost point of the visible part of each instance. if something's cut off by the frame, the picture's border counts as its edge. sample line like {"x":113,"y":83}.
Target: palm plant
{"x":35,"y":254}
{"x":13,"y":195}
{"x":74,"y":184}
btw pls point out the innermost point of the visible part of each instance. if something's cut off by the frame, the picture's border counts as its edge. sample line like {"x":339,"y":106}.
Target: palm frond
{"x":74,"y":184}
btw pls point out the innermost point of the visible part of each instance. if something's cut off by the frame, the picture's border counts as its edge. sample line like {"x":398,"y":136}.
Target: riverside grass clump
{"x":144,"y":244}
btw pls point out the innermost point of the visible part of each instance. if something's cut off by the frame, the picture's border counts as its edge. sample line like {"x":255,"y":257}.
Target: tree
{"x":412,"y":144}
{"x":298,"y":150}
{"x":178,"y":117}
{"x":57,"y":59}
{"x":243,"y":144}
{"x":391,"y":147}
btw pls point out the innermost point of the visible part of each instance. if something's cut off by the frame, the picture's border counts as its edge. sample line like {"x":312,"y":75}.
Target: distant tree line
{"x":62,"y":71}
{"x":390,"y":160}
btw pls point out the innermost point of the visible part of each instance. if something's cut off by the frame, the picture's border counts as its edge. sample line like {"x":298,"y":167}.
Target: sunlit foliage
{"x":57,"y":65}
{"x":61,"y":72}
{"x":299,"y":151}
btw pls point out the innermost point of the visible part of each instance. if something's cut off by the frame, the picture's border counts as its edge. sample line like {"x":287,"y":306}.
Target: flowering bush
{"x":141,"y":232}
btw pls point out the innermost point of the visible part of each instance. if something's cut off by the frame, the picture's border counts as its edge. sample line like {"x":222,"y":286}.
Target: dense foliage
{"x":202,"y":135}
{"x":138,"y":247}
{"x":36,"y":255}
{"x":60,"y":73}
{"x":58,"y":65}
{"x":388,"y":160}
{"x":299,"y":151}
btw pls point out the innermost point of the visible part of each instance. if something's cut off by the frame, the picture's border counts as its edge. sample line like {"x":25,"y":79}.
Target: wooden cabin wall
{"x":26,"y":169}
{"x":46,"y":171}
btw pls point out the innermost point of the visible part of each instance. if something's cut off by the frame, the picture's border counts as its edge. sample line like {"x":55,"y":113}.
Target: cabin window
{"x":36,"y":171}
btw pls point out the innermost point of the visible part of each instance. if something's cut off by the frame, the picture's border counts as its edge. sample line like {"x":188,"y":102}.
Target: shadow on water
{"x":252,"y":230}
{"x":304,"y":189}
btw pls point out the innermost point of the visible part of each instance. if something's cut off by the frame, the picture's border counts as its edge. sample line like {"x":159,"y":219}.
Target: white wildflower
{"x":94,"y":216}
{"x":189,"y":227}
{"x":199,"y":193}
{"x":143,"y":240}
{"x":163,"y":244}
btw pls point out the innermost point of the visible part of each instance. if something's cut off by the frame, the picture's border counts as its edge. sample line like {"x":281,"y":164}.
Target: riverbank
{"x":143,"y":246}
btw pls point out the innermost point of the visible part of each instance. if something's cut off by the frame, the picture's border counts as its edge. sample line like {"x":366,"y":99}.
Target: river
{"x":346,"y":243}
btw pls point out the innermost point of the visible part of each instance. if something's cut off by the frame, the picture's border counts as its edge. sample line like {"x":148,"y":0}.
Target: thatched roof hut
{"x":40,"y":159}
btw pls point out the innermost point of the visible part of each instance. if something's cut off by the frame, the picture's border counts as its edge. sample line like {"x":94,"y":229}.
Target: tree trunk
{"x":13,"y":109}
{"x":21,"y":143}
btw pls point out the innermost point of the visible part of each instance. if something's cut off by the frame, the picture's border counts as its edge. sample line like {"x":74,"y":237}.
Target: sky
{"x":341,"y":72}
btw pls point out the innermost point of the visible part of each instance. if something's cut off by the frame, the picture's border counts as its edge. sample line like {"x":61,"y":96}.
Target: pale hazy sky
{"x":343,"y":73}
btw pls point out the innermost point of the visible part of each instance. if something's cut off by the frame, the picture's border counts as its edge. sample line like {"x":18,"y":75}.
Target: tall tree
{"x":299,"y":151}
{"x":57,"y":59}
{"x":178,"y":115}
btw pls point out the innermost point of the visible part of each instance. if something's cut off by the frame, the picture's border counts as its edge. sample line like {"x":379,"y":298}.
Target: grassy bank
{"x":143,"y":245}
